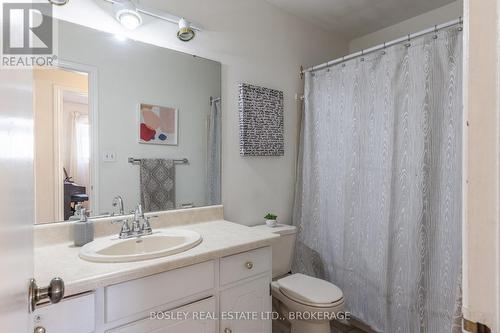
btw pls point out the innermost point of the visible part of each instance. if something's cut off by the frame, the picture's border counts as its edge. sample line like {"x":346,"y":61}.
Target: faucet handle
{"x":146,"y":226}
{"x":125,"y":230}
{"x":139,"y":213}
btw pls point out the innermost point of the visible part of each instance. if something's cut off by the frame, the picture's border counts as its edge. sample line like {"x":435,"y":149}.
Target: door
{"x":16,"y":198}
{"x":238,"y":303}
{"x":481,"y":183}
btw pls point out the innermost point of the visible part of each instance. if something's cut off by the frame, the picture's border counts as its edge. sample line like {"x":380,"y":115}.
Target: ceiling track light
{"x":185,"y":32}
{"x":128,"y":13}
{"x":58,"y":2}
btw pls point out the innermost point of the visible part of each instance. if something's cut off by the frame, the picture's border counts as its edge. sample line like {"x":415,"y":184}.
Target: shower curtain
{"x":378,"y":197}
{"x":213,"y":154}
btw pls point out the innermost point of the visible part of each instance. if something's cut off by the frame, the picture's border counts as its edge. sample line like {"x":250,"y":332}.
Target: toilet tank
{"x":282,"y":248}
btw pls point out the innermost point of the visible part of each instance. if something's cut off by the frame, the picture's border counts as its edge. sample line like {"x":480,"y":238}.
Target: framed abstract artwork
{"x":158,"y":124}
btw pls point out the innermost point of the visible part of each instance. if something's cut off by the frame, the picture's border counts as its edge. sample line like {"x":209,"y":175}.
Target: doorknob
{"x":39,"y":330}
{"x":54,"y":292}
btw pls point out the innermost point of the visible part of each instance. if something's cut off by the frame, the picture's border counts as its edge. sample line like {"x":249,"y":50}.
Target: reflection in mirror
{"x":62,"y":143}
{"x":119,"y":123}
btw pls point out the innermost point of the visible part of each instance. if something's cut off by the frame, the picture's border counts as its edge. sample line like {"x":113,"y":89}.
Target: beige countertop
{"x":220,"y":238}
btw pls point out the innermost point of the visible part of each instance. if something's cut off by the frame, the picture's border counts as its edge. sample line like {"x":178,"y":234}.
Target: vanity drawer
{"x":74,"y":314}
{"x":189,"y":320}
{"x":246,"y":264}
{"x":136,"y":296}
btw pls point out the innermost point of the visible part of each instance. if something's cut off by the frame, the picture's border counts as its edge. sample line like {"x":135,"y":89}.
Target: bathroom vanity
{"x":212,"y":287}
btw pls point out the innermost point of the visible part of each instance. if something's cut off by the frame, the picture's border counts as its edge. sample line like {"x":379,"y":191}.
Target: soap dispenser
{"x":83,"y":229}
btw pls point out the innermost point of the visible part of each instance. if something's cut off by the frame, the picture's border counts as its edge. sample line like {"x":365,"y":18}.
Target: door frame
{"x":93,"y":103}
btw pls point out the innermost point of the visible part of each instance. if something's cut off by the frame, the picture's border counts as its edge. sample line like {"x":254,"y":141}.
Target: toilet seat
{"x":310,"y":291}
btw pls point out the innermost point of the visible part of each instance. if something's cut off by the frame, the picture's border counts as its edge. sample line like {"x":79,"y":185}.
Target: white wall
{"x":130,"y":73}
{"x":418,"y":23}
{"x":256,"y":43}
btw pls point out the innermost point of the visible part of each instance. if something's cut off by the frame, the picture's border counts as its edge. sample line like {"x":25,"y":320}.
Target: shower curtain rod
{"x":382,"y":46}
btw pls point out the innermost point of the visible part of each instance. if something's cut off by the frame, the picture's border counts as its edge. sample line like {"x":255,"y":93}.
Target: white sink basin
{"x":160,"y":244}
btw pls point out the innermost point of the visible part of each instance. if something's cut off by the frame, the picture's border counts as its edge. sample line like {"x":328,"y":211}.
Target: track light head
{"x":185,"y":32}
{"x":126,"y":13}
{"x":58,"y":2}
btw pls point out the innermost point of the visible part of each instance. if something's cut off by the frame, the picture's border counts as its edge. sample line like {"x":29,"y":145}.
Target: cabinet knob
{"x":248,"y":265}
{"x":39,"y":330}
{"x":228,"y":330}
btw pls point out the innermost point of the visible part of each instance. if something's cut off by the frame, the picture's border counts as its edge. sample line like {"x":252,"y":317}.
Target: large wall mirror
{"x":119,"y":122}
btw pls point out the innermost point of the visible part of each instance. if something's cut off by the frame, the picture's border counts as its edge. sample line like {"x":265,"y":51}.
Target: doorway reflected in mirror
{"x":62,"y":143}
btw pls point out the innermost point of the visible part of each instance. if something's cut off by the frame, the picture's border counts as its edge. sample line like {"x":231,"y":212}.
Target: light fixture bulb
{"x":58,"y":2}
{"x":129,"y":20}
{"x":127,"y":15}
{"x":185,"y":33}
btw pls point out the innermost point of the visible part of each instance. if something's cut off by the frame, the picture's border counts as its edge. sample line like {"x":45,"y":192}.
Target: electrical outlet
{"x":109,"y":157}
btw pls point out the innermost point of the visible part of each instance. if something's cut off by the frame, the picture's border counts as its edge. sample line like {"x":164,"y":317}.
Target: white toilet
{"x":308,"y":302}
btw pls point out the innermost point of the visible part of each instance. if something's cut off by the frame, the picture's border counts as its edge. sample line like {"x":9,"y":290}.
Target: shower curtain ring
{"x":409,"y":39}
{"x":461,"y":22}
{"x":343,"y":63}
{"x":435,"y":32}
{"x":362,"y":54}
{"x":383,"y":51}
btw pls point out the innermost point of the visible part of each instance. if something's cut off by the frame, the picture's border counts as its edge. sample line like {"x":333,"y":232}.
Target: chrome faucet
{"x":118,"y":201}
{"x":137,"y":230}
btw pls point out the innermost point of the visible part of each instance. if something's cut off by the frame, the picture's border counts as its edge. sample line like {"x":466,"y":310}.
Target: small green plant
{"x":270,"y":216}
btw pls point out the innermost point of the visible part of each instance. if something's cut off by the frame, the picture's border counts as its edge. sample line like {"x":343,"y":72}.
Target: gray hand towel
{"x":157,"y":184}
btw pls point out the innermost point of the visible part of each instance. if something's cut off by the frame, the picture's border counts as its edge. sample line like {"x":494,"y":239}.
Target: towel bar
{"x":137,"y":160}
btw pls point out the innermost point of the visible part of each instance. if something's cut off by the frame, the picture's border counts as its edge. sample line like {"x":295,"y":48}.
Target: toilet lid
{"x":310,"y":290}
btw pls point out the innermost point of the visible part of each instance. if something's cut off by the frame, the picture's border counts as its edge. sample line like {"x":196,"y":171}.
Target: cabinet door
{"x":193,"y":318}
{"x":136,"y":296}
{"x":246,"y":308}
{"x":74,"y":314}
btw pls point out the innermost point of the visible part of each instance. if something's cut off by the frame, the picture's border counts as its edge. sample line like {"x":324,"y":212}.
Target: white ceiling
{"x":355,"y":18}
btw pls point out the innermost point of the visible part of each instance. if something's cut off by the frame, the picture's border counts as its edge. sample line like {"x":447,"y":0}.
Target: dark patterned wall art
{"x":261,"y":121}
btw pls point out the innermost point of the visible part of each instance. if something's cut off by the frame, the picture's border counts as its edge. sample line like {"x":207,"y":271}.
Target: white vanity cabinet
{"x":136,"y":296}
{"x":245,"y":298}
{"x":185,"y":319}
{"x":246,"y":308}
{"x":208,"y":297}
{"x":74,"y":314}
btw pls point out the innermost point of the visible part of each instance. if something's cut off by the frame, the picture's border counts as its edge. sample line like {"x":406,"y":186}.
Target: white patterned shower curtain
{"x":378,"y":198}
